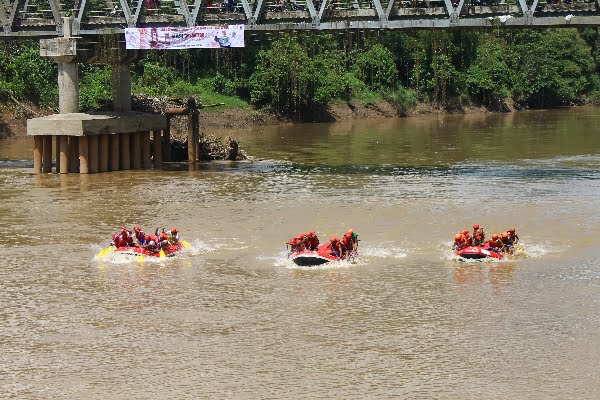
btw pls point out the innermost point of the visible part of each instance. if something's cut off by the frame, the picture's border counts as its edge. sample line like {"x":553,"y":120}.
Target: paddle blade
{"x":185,"y":244}
{"x":161,"y":254}
{"x":141,"y":258}
{"x":104,"y":252}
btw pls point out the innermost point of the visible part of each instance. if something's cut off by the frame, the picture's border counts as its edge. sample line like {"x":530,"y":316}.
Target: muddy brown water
{"x":233,"y":318}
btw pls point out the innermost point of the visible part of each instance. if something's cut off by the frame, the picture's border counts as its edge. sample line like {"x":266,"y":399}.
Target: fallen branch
{"x":17,"y":102}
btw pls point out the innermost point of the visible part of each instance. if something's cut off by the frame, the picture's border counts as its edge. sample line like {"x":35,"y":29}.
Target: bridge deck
{"x":43,"y":18}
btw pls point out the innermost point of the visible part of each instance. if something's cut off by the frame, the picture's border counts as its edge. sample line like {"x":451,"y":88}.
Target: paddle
{"x":161,"y":254}
{"x":186,"y":244}
{"x":104,"y":252}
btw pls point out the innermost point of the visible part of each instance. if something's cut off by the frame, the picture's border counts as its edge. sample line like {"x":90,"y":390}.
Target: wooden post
{"x":146,"y":150}
{"x":93,"y":154}
{"x":74,"y":154}
{"x":192,"y":142}
{"x":57,"y":152}
{"x":114,"y":152}
{"x":103,"y":153}
{"x":64,"y":154}
{"x":157,"y":149}
{"x":38,"y":149}
{"x":125,"y":162}
{"x":166,"y":139}
{"x":83,"y":155}
{"x":47,"y":154}
{"x":136,"y":149}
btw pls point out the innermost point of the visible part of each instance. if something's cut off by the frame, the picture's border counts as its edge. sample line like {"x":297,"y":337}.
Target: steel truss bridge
{"x":44,"y":18}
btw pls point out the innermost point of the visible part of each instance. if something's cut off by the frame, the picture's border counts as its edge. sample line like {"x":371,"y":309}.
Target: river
{"x":234,"y":319}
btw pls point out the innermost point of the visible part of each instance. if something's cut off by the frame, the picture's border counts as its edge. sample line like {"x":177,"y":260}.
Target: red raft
{"x":307,"y":258}
{"x":169,"y":251}
{"x":478,"y":253}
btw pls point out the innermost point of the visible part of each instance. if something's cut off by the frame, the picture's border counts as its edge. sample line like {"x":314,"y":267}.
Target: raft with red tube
{"x":478,"y":253}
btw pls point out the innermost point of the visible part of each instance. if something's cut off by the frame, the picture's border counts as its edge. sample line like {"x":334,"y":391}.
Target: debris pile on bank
{"x":210,"y":147}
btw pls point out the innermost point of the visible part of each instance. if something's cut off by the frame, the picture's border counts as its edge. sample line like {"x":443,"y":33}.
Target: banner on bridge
{"x":197,"y":37}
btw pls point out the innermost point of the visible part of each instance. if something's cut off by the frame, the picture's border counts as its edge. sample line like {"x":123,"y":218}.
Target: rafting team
{"x":500,"y":243}
{"x":341,"y":249}
{"x":153,"y":243}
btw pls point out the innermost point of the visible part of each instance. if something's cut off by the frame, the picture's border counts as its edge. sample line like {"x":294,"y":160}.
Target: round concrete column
{"x":83,"y":155}
{"x":38,"y":149}
{"x":146,"y":150}
{"x":47,"y":155}
{"x":103,"y":153}
{"x":93,"y":154}
{"x":136,"y":150}
{"x":121,"y":87}
{"x":64,"y":154}
{"x":68,"y":88}
{"x":124,"y":150}
{"x":114,"y":152}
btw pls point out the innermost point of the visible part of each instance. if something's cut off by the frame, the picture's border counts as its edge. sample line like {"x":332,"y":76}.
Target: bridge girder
{"x":43,"y":18}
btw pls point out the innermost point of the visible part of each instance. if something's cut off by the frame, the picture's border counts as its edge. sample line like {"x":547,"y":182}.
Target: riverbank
{"x":13,"y":117}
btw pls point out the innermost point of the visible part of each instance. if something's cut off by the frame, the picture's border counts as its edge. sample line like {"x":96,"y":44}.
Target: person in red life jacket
{"x":312,"y":241}
{"x":459,"y":242}
{"x":118,"y":241}
{"x":151,"y":244}
{"x":139,"y":235}
{"x":350,"y":242}
{"x":123,"y":239}
{"x":467,"y":238}
{"x":336,"y":248}
{"x":163,"y":240}
{"x":495,"y":243}
{"x":296,"y":243}
{"x":506,"y":242}
{"x":478,"y":236}
{"x":173,"y":236}
{"x":512,"y":234}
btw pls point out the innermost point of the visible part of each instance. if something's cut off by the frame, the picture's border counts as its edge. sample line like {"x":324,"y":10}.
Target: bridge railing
{"x":92,"y":17}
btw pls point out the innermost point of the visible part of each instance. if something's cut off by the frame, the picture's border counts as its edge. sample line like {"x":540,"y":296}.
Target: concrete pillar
{"x":166,"y":139}
{"x":38,"y":149}
{"x":157,"y":149}
{"x":103,"y":153}
{"x":83,"y":155}
{"x":136,"y":150}
{"x":68,"y":88}
{"x":146,"y":150}
{"x":93,"y":154}
{"x":121,"y":87}
{"x":125,"y":162}
{"x":64,"y":154}
{"x":74,"y":154}
{"x":47,"y":155}
{"x":114,"y":152}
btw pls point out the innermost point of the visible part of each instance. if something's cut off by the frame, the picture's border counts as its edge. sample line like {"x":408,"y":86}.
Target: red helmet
{"x":475,"y":226}
{"x":123,"y":231}
{"x":348,"y":235}
{"x":511,"y":230}
{"x":147,"y":238}
{"x":495,"y":236}
{"x":333,"y":239}
{"x":465,"y":232}
{"x":505,"y":235}
{"x":458,"y":237}
{"x":174,"y":230}
{"x":163,"y":236}
{"x":350,"y":232}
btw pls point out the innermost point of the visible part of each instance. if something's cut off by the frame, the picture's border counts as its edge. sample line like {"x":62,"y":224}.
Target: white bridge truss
{"x":43,"y":18}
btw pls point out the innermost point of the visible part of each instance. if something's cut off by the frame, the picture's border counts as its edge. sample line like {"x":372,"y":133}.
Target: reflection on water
{"x":233,"y":318}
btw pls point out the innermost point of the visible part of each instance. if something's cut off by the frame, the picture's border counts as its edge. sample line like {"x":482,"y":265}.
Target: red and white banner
{"x":197,"y":37}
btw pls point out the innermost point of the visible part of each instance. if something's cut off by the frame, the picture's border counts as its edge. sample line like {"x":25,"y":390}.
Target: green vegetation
{"x":299,"y":74}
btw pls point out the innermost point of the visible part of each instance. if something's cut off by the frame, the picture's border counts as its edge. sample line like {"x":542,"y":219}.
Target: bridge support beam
{"x":121,"y":87}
